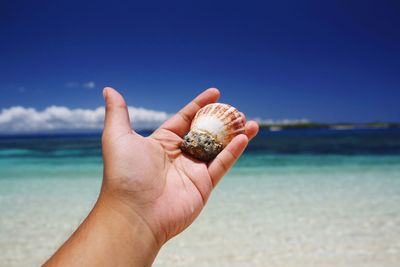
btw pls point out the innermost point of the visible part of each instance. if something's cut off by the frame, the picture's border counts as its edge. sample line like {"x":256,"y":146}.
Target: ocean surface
{"x":296,"y":198}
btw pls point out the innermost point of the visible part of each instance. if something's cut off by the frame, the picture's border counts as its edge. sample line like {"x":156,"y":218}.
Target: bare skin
{"x":151,"y":191}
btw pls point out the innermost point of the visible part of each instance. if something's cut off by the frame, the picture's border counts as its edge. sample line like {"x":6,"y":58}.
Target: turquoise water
{"x":296,"y":198}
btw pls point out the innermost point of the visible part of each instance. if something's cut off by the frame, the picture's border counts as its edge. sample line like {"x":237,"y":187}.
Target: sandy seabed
{"x":303,"y":217}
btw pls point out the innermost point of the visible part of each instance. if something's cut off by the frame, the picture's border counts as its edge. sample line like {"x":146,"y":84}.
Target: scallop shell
{"x":213,"y":127}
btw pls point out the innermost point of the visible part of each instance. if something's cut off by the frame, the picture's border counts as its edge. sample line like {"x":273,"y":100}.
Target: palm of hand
{"x":157,"y":180}
{"x":166,"y":188}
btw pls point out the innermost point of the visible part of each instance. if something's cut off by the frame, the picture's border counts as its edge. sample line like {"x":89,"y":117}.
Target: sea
{"x":298,"y":197}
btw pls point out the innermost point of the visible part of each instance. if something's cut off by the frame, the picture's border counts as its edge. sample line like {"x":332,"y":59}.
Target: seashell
{"x":213,"y":127}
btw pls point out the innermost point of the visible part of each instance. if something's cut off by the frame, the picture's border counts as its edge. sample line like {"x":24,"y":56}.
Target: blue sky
{"x":327,"y":61}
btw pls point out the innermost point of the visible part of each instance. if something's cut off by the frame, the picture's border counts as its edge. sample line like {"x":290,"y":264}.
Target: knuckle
{"x":221,"y":164}
{"x":185,"y":117}
{"x":232,"y":155}
{"x":105,"y":137}
{"x":115,"y":106}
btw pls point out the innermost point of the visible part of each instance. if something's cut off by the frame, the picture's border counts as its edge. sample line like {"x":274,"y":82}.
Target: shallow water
{"x":320,"y":204}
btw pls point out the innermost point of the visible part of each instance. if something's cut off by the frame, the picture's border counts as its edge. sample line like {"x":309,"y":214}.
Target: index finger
{"x":180,"y":122}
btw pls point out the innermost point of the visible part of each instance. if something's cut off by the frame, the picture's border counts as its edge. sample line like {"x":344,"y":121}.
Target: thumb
{"x":117,"y":117}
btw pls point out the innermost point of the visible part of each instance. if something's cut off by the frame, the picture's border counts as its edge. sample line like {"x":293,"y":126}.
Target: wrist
{"x":126,"y":206}
{"x":109,"y":236}
{"x":128,"y":229}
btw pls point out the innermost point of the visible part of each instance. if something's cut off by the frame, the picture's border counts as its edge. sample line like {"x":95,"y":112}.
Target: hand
{"x":150,"y":191}
{"x":151,"y":175}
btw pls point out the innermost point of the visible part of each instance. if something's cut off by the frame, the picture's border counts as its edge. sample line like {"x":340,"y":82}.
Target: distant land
{"x":270,"y":125}
{"x":304,"y":124}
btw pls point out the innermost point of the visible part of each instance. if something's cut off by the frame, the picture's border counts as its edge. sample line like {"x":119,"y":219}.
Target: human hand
{"x":151,"y":175}
{"x":150,"y":191}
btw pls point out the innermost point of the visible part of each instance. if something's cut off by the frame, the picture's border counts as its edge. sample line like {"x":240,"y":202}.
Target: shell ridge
{"x":227,"y":113}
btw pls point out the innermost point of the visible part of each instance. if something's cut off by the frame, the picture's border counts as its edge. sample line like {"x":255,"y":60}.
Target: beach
{"x":296,"y":198}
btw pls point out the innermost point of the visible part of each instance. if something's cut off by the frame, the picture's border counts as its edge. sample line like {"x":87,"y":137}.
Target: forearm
{"x":109,"y":236}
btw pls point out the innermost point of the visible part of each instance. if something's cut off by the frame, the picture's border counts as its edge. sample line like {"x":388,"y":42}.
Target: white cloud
{"x":72,"y":85}
{"x":281,"y":121}
{"x":89,"y":85}
{"x":19,"y":119}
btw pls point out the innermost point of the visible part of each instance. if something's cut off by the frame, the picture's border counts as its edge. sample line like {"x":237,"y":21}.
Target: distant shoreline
{"x":271,"y":127}
{"x":333,"y":126}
